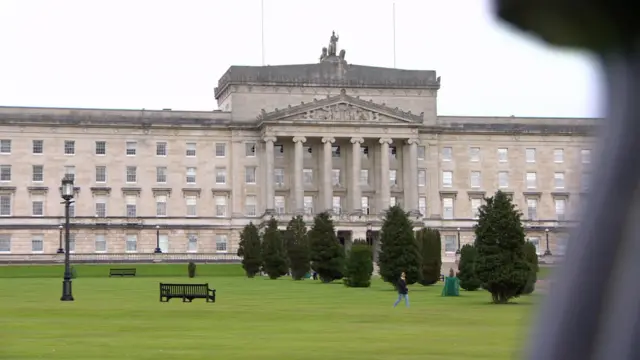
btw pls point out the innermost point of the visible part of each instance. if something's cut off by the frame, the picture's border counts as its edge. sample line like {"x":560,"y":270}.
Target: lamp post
{"x":157,"y":250}
{"x":547,"y":252}
{"x":60,"y":249}
{"x":67,"y":196}
{"x":458,"y":251}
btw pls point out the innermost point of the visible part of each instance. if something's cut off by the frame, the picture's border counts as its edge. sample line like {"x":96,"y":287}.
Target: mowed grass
{"x":122,"y":318}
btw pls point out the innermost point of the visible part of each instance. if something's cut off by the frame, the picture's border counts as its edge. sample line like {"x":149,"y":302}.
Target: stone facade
{"x":289,"y":139}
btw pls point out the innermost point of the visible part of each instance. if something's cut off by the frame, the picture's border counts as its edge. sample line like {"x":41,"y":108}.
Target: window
{"x":560,"y":205}
{"x":161,"y":175}
{"x":37,"y":173}
{"x":192,"y":205}
{"x":132,"y":174}
{"x":307,"y":152}
{"x":335,"y":177}
{"x":100,"y":243}
{"x":532,"y":209}
{"x":5,"y":243}
{"x":191,"y":149}
{"x":536,"y":242}
{"x":364,"y":152}
{"x":337,"y":205}
{"x":161,"y":148}
{"x":221,"y":176}
{"x":221,"y":206}
{"x":475,"y":207}
{"x":474,"y":154}
{"x":101,"y":147}
{"x":101,"y":207}
{"x":72,"y":243}
{"x":278,"y":151}
{"x":5,"y":173}
{"x":447,"y":153}
{"x":558,"y":180}
{"x":503,"y":179}
{"x":192,"y":243}
{"x":335,"y":151}
{"x":251,"y":205}
{"x":250,"y":175}
{"x":5,"y":205}
{"x":447,"y":179}
{"x":72,"y":209}
{"x":308,"y":205}
{"x":37,"y":244}
{"x":558,"y":155}
{"x":250,"y":149}
{"x":585,"y":156}
{"x":101,"y":174}
{"x":393,"y":177}
{"x":221,"y":243}
{"x":447,"y":208}
{"x":503,"y":155}
{"x":584,"y":182}
{"x":279,"y":204}
{"x":307,"y":176}
{"x":161,"y":205}
{"x":422,"y":152}
{"x":364,"y":177}
{"x":37,"y":147}
{"x":530,"y":155}
{"x":476,"y":179}
{"x":561,"y":245}
{"x":393,"y":201}
{"x":131,"y":202}
{"x":422,"y":205}
{"x":131,"y":243}
{"x":278,"y":177}
{"x":5,"y":146}
{"x":191,"y":175}
{"x":69,"y":147}
{"x":364,"y":203}
{"x":131,"y":148}
{"x":37,"y":205}
{"x":221,"y":150}
{"x":532,"y":180}
{"x":450,"y":243}
{"x":393,"y":152}
{"x":70,"y":172}
{"x":422,"y":177}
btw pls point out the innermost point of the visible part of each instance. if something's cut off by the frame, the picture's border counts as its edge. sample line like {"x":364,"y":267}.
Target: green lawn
{"x":122,"y":318}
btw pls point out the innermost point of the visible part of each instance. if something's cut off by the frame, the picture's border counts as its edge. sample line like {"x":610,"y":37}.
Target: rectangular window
{"x":191,"y":175}
{"x":474,"y":154}
{"x":585,"y":156}
{"x":131,"y":205}
{"x":364,"y":152}
{"x":278,"y":151}
{"x":393,"y":152}
{"x":190,"y":149}
{"x":530,"y":155}
{"x":335,"y":177}
{"x":447,"y":208}
{"x":37,"y":205}
{"x":476,"y":179}
{"x":279,"y":204}
{"x":308,"y":205}
{"x":364,"y":177}
{"x":475,"y":207}
{"x":393,"y":201}
{"x":221,"y":243}
{"x":364,"y":203}
{"x":337,"y":205}
{"x":192,"y":205}
{"x":450,"y":243}
{"x":422,"y":177}
{"x":560,"y":205}
{"x":307,"y":176}
{"x":447,"y":153}
{"x":5,"y":146}
{"x":70,"y":172}
{"x":558,"y":180}
{"x":558,"y":155}
{"x":503,"y":155}
{"x":161,"y":174}
{"x":422,"y":205}
{"x":101,"y":147}
{"x":132,"y":243}
{"x":101,"y":174}
{"x":447,"y":178}
{"x":69,"y":147}
{"x":72,"y":243}
{"x":132,"y":174}
{"x":503,"y":179}
{"x":5,"y":173}
{"x":393,"y":177}
{"x":250,"y":175}
{"x":584,"y":181}
{"x":422,"y":152}
{"x":131,"y":148}
{"x":221,"y":206}
{"x":251,"y":205}
{"x":100,"y":243}
{"x":335,"y":151}
{"x":221,"y":150}
{"x":532,"y":209}
{"x":101,"y":207}
{"x":307,"y":152}
{"x":532,"y":180}
{"x":221,"y":176}
{"x":278,"y":177}
{"x":37,"y":147}
{"x":37,"y":244}
{"x":161,"y":148}
{"x":561,"y":245}
{"x":250,"y":149}
{"x":5,"y":205}
{"x":192,"y":243}
{"x":161,"y":205}
{"x":37,"y":173}
{"x":5,"y":243}
{"x":536,"y":242}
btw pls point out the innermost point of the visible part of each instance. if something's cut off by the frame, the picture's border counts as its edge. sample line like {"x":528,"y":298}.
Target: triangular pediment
{"x":341,"y":108}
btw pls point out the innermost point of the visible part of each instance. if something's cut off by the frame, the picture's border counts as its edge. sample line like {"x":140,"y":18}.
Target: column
{"x":270,"y":188}
{"x":385,"y":188}
{"x":356,"y":164}
{"x":298,"y":187}
{"x":327,"y":169}
{"x":411,"y":196}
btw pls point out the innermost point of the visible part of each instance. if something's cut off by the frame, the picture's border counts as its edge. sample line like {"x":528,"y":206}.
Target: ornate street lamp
{"x":157,"y":250}
{"x":547,"y":252}
{"x":60,"y":249}
{"x":458,"y":251}
{"x":67,"y":192}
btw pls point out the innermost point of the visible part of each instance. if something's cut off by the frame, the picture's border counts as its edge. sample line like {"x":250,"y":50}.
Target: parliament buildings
{"x":287,"y":139}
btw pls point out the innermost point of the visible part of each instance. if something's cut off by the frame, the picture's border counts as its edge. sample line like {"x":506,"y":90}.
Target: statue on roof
{"x":333,"y":44}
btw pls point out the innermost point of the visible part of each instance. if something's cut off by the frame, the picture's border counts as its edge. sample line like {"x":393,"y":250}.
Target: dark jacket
{"x":402,"y":287}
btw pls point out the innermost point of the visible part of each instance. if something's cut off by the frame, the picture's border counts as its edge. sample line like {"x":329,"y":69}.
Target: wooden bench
{"x":187,"y":292}
{"x":122,"y":272}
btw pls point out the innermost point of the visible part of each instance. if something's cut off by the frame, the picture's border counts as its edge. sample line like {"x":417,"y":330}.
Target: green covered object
{"x":451,"y":287}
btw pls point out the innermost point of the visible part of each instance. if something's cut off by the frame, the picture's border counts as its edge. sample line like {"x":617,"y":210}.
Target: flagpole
{"x":262,"y":27}
{"x":394,"y":34}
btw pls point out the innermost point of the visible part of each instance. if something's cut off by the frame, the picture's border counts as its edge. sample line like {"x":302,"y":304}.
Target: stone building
{"x":287,"y":139}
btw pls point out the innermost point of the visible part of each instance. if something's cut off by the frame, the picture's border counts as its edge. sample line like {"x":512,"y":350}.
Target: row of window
{"x":451,"y":244}
{"x":531,"y":179}
{"x":560,"y":205}
{"x":530,"y":155}
{"x":130,"y":242}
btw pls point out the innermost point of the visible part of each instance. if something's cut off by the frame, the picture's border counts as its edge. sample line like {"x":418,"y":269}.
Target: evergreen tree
{"x":297,"y":244}
{"x":501,"y":265}
{"x":359,"y":265}
{"x":531,"y":256}
{"x":467,"y":268}
{"x":327,"y":255}
{"x":274,"y":254}
{"x":431,"y":251}
{"x":250,"y":250}
{"x":399,"y":250}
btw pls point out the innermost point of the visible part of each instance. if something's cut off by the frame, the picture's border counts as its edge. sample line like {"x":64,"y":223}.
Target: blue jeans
{"x":406,"y":299}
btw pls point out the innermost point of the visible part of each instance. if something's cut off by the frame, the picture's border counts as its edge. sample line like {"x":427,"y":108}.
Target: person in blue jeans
{"x":403,"y":292}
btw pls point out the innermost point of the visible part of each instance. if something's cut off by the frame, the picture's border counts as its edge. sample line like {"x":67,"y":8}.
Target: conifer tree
{"x":297,"y":244}
{"x":359,"y":265}
{"x":274,"y":254}
{"x":327,"y":255}
{"x":250,"y":250}
{"x":399,"y":250}
{"x":467,"y":268}
{"x":531,"y":255}
{"x":430,"y":247}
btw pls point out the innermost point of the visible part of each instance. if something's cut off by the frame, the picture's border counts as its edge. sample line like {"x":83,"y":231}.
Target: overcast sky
{"x":158,"y":54}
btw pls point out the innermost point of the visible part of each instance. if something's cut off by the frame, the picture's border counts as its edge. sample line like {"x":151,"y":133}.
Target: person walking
{"x":403,"y":292}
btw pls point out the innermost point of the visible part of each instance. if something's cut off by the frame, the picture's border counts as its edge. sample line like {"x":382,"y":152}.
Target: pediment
{"x":341,"y":108}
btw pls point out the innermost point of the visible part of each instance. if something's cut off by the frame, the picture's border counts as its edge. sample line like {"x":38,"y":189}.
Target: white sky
{"x":158,"y":54}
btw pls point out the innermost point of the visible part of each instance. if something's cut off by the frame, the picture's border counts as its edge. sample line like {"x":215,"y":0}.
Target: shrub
{"x":531,"y":256}
{"x":501,"y":265}
{"x":274,"y":254}
{"x":359,"y":265}
{"x":431,"y":251}
{"x":399,"y":251}
{"x":191,"y":268}
{"x":297,"y":244}
{"x":327,"y":255}
{"x":467,"y":268}
{"x":250,"y":250}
